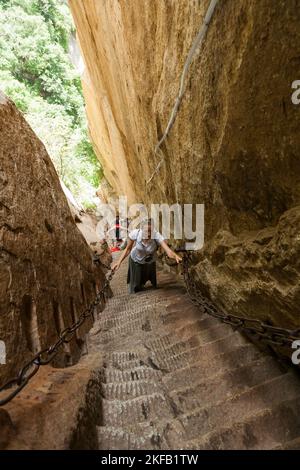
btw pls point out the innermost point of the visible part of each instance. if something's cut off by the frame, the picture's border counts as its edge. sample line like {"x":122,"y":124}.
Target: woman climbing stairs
{"x":174,"y":378}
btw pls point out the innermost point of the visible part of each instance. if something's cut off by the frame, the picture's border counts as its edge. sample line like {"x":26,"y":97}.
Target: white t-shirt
{"x":144,"y":248}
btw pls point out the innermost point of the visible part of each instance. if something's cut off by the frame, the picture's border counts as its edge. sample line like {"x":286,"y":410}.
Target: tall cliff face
{"x":235,"y":144}
{"x":47,"y":275}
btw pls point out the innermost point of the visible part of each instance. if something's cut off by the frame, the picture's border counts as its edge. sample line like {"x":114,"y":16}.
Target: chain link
{"x":47,"y":355}
{"x":97,"y":260}
{"x":273,"y":335}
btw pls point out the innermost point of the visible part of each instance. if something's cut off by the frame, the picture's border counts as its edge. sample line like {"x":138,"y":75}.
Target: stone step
{"x":178,"y":357}
{"x":157,"y":408}
{"x":126,"y":307}
{"x":125,"y":330}
{"x":186,"y":430}
{"x":211,"y":362}
{"x":136,"y":410}
{"x":125,"y":365}
{"x":108,"y":323}
{"x":200,"y":324}
{"x":111,"y":375}
{"x":121,"y":356}
{"x":118,"y":308}
{"x":130,"y":389}
{"x":241,"y":407}
{"x":172,"y":345}
{"x":225,"y":385}
{"x":184,"y":338}
{"x":152,"y":297}
{"x":172,"y":359}
{"x":272,"y":428}
{"x":114,"y":438}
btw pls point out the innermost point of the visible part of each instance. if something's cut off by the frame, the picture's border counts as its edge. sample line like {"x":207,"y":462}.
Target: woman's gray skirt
{"x":138,"y":274}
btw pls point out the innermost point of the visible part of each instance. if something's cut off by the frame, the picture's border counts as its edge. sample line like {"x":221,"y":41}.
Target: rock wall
{"x":235,"y":144}
{"x":47,"y":274}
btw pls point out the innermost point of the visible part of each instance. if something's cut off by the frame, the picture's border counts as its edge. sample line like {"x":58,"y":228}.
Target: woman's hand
{"x":177,"y":258}
{"x":115,"y":266}
{"x":170,"y":253}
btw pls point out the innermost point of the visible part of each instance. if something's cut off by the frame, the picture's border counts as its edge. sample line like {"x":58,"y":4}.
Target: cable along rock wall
{"x":235,"y":144}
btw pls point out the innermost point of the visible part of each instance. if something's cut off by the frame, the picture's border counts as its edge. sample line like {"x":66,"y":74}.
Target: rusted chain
{"x":97,"y":260}
{"x":273,"y":335}
{"x":45,"y":356}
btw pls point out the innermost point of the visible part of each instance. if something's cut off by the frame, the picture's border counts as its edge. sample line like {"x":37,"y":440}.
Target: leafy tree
{"x":36,"y":72}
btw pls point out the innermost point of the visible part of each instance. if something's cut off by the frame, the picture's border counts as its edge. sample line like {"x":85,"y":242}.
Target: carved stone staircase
{"x":174,"y":378}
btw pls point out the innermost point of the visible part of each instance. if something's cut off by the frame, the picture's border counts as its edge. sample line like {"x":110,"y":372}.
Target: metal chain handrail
{"x":97,"y":260}
{"x":45,"y":356}
{"x":272,"y":335}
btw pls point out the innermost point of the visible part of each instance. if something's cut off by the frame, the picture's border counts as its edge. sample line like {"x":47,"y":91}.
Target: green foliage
{"x":36,"y":72}
{"x":89,"y":206}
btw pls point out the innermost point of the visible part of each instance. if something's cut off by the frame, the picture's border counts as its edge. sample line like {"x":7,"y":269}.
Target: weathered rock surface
{"x":47,"y":274}
{"x":106,"y":193}
{"x":87,"y":222}
{"x":46,"y":414}
{"x":235,"y":145}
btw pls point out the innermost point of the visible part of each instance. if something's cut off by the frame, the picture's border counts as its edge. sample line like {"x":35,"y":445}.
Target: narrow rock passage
{"x":174,"y":378}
